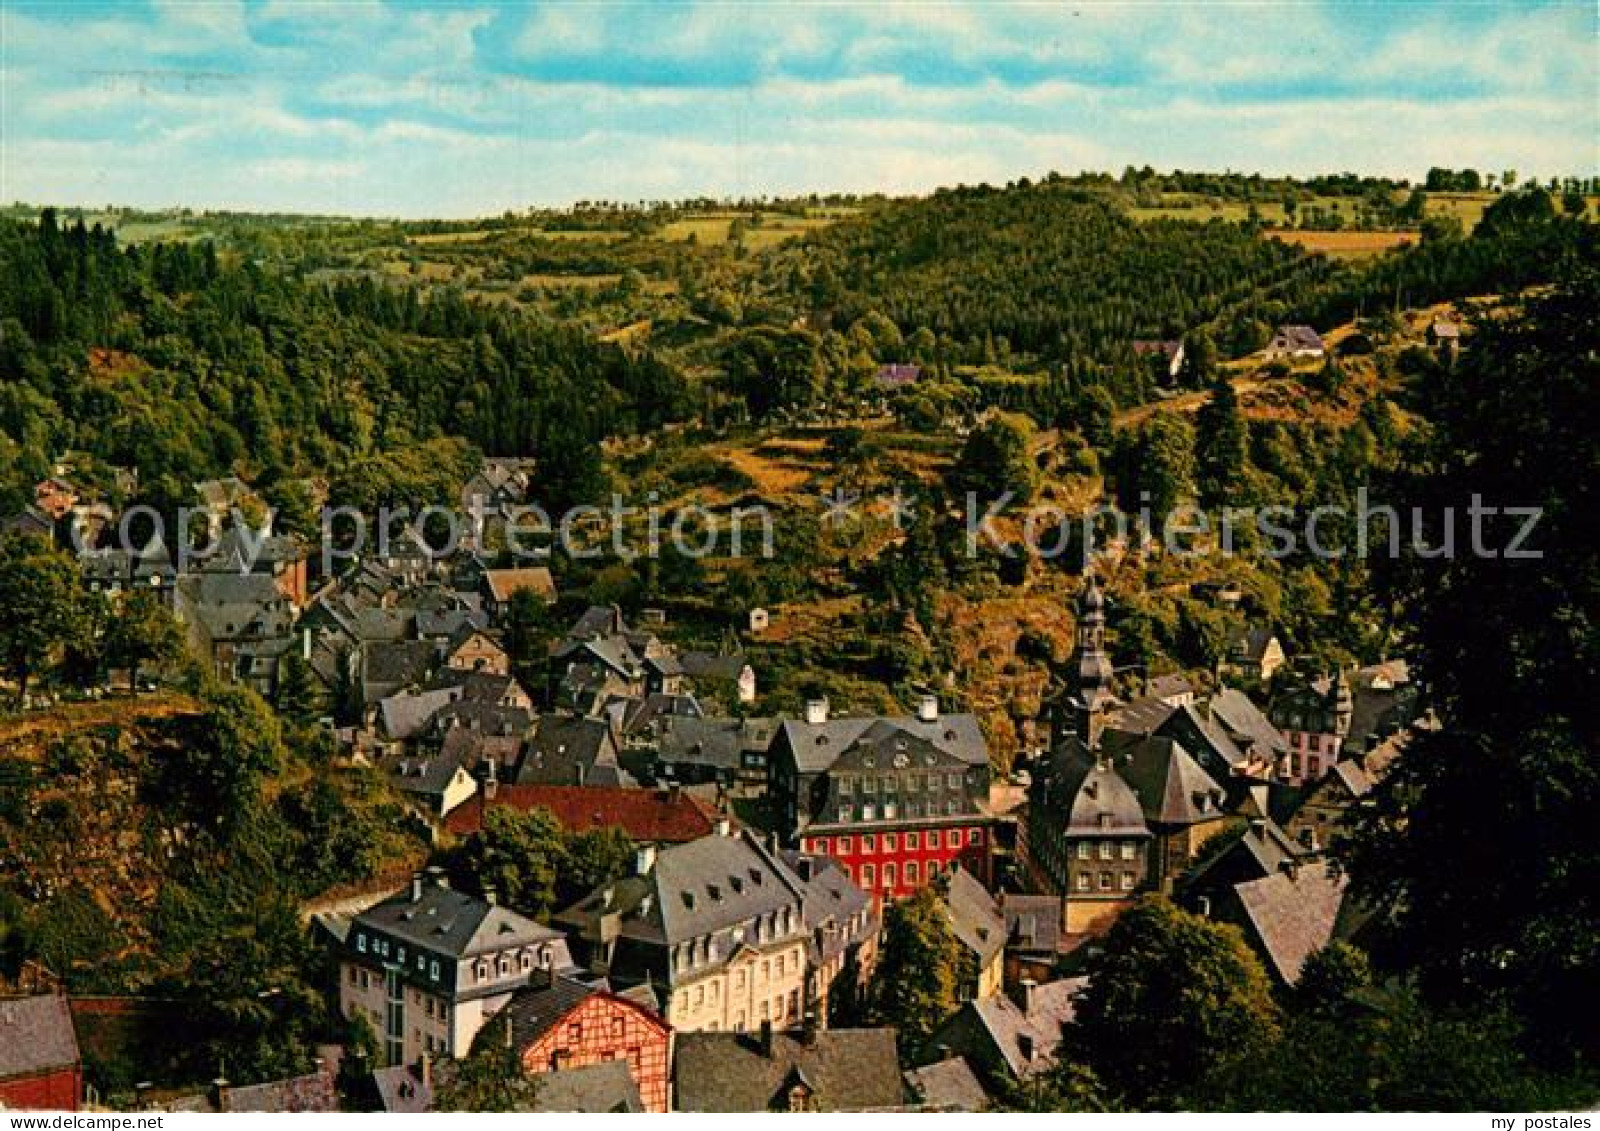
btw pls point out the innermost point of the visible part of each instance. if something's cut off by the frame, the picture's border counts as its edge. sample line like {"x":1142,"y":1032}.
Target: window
{"x":974,"y":836}
{"x":433,"y":969}
{"x":869,"y":786}
{"x":575,"y":1031}
{"x":913,"y":872}
{"x":933,"y":838}
{"x":869,"y":876}
{"x":1083,"y":850}
{"x":847,"y":786}
{"x":843,"y":844}
{"x":820,"y":844}
{"x":1083,"y":881}
{"x":1130,"y":850}
{"x":738,"y":980}
{"x":361,"y":943}
{"x":766,"y":969}
{"x":888,"y":876}
{"x":1105,"y":849}
{"x":913,"y":840}
{"x":950,"y":807}
{"x":1127,"y":881}
{"x":868,"y":812}
{"x":952,"y":781}
{"x":699,"y":996}
{"x":1105,"y":881}
{"x":891,"y":842}
{"x":846,"y":814}
{"x":869,"y":844}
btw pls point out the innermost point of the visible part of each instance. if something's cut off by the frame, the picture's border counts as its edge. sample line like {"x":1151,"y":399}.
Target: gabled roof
{"x":974,"y":916}
{"x":593,"y":1089}
{"x":1246,"y":724}
{"x":572,"y":750}
{"x":692,"y":890}
{"x":1292,"y":913}
{"x":1171,"y":786}
{"x":712,"y":665}
{"x":36,"y":1036}
{"x":1033,"y":923}
{"x":401,"y":1090}
{"x":538,"y":1008}
{"x":948,"y":1085}
{"x":654,"y":816}
{"x":406,"y":714}
{"x":842,"y":1069}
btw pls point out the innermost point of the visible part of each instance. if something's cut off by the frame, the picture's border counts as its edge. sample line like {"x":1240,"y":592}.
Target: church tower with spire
{"x":1089,"y":694}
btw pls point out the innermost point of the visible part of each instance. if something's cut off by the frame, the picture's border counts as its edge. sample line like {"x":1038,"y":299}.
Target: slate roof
{"x":426,"y":775}
{"x":691,"y":890}
{"x":1246,"y":724}
{"x":1250,"y":643}
{"x":712,"y":665}
{"x":845,"y":1070}
{"x":1098,"y":801}
{"x":446,"y":921}
{"x":1140,"y":716}
{"x":974,"y":917}
{"x":1293,"y":336}
{"x":593,"y":1089}
{"x":1292,"y":913}
{"x":405,"y":715}
{"x":654,"y":816}
{"x":401,"y":1090}
{"x":386,"y":667}
{"x":536,"y":1009}
{"x":1171,"y":786}
{"x":1033,"y":923}
{"x":311,"y":1093}
{"x":831,"y":899}
{"x":948,"y":1085}
{"x":717,"y":743}
{"x":999,"y":1032}
{"x":1169,"y":686}
{"x":36,"y":1036}
{"x":817,"y":746}
{"x":572,"y":750}
{"x":1012,"y":1029}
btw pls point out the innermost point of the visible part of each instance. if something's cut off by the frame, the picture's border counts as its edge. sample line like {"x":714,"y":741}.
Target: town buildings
{"x":429,"y":966}
{"x":897,"y":801}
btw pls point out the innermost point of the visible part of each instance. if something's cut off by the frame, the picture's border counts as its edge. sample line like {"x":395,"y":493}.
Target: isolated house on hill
{"x":1296,"y":341}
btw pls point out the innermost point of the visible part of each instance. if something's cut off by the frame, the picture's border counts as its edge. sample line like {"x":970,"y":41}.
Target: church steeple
{"x":1089,"y":693}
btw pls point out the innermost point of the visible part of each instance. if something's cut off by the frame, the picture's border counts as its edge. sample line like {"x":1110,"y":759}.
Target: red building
{"x":895,"y":800}
{"x":40,"y":1068}
{"x":560,"y":1023}
{"x":661,"y":816}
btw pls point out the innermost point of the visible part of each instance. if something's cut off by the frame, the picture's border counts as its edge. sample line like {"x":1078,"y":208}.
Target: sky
{"x":391,"y":108}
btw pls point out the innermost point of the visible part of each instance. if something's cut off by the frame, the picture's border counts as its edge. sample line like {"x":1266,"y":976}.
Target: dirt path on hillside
{"x":32,"y":730}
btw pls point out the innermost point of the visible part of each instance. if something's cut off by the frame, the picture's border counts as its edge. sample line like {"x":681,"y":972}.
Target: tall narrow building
{"x":1089,"y":696}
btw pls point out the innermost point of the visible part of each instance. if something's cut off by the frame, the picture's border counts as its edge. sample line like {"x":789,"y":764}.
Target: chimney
{"x":928,"y":709}
{"x":766,"y":1039}
{"x":1203,"y":905}
{"x":808,"y":1028}
{"x":816,"y":711}
{"x":644,"y":858}
{"x":802,"y":867}
{"x":490,"y":896}
{"x":219,"y":1094}
{"x":724,"y":827}
{"x":436,"y":876}
{"x":1028,"y":988}
{"x":1258,"y":826}
{"x":416,"y":887}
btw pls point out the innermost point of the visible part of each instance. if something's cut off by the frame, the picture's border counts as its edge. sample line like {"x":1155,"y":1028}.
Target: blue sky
{"x":383,"y":107}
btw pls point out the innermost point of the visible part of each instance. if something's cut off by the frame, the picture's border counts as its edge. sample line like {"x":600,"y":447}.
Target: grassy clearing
{"x":1343,"y":245}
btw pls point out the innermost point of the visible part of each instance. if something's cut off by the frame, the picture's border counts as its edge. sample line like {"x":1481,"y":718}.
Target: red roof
{"x":655,"y":816}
